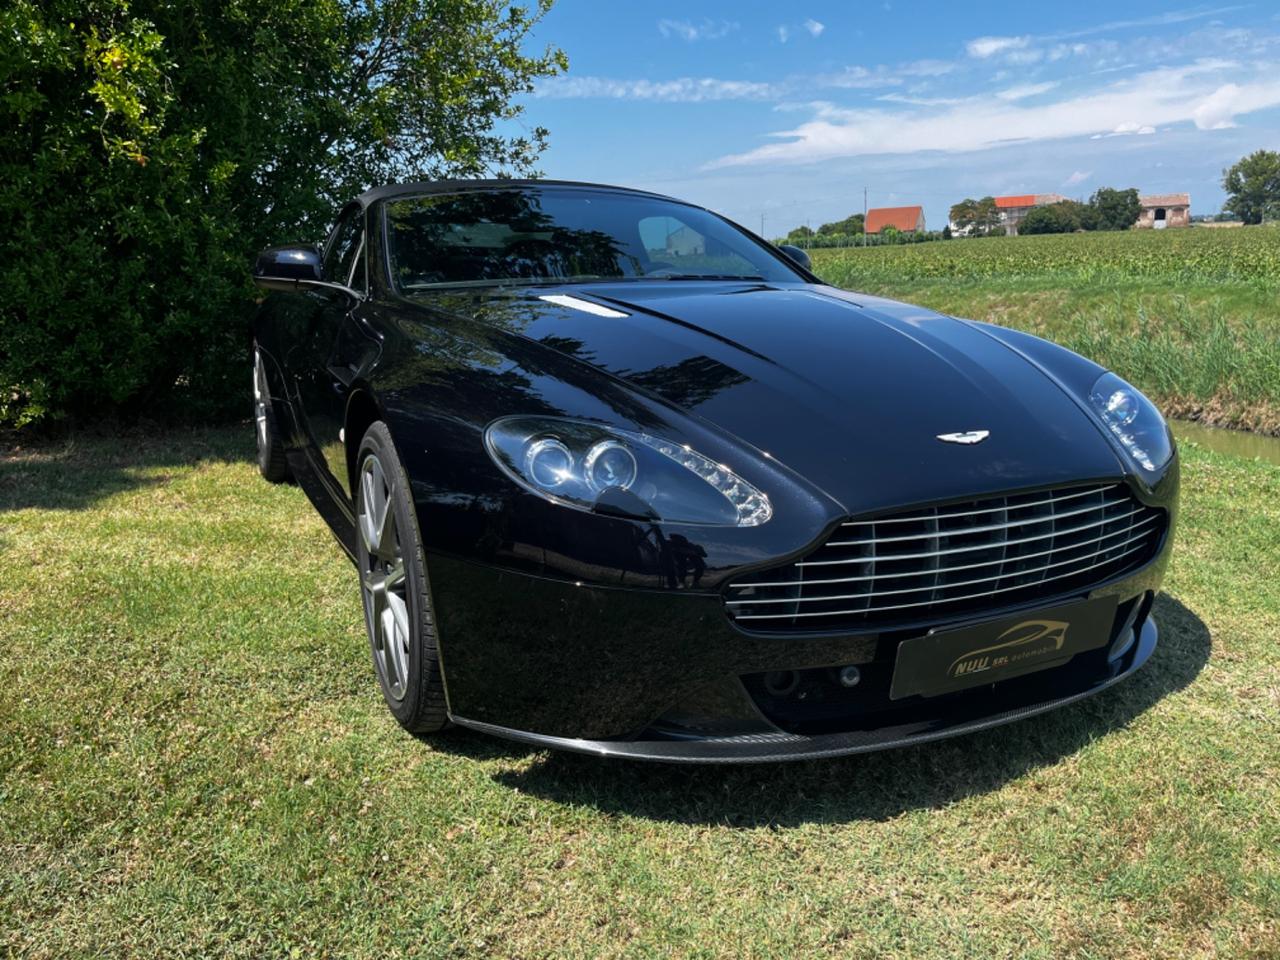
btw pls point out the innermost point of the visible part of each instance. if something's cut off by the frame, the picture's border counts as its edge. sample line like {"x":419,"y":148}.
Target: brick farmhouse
{"x":1161,"y":210}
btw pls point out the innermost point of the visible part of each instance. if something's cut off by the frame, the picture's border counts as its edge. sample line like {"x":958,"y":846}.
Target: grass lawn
{"x":1192,"y":317}
{"x":195,"y":760}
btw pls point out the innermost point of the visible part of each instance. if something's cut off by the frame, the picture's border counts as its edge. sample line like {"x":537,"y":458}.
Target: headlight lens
{"x":548,"y":463}
{"x":610,"y":464}
{"x":593,"y":467}
{"x":1134,"y":420}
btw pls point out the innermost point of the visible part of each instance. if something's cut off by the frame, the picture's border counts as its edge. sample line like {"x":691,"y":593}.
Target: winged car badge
{"x":968,"y":436}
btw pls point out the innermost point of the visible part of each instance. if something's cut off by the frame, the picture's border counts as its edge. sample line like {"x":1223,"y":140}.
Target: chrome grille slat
{"x":1030,"y":522}
{"x":995,"y":552}
{"x":926,"y":603}
{"x":969,"y":513}
{"x":984,"y":546}
{"x":968,"y":566}
{"x":947,"y":586}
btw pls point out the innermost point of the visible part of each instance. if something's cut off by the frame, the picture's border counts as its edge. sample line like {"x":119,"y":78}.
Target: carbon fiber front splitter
{"x":780,"y":746}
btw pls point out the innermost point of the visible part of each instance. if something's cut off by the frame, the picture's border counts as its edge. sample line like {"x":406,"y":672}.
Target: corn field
{"x":1249,"y":255}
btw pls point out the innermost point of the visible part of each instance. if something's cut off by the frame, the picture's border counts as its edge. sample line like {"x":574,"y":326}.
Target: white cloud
{"x":1026,"y":90}
{"x":689,"y":32}
{"x":680,"y":90}
{"x":1061,"y":51}
{"x":1023,"y":50}
{"x":696,"y":89}
{"x":921,"y":101}
{"x":1217,"y":111}
{"x":1168,"y":95}
{"x":859,"y":78}
{"x":925,"y":68}
{"x":1019,"y":49}
{"x":1159,"y":20}
{"x":1024,"y":58}
{"x":1129,"y":128}
{"x":784,"y":34}
{"x":985,"y":47}
{"x":814,"y":27}
{"x":1078,"y":177}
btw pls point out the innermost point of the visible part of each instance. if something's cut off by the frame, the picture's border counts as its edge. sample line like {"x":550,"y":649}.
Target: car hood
{"x":850,"y":391}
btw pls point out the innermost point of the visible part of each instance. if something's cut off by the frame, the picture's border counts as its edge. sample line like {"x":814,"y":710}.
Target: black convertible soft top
{"x":420,"y":187}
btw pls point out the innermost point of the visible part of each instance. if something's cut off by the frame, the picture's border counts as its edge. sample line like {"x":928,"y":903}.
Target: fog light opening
{"x":850,"y":677}
{"x":781,"y":683}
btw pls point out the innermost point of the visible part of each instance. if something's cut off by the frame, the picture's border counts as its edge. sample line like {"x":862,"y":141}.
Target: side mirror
{"x":798,"y":255}
{"x":280,"y":268}
{"x":294,"y":267}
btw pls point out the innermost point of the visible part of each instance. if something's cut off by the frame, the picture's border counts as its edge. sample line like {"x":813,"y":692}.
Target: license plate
{"x":947,"y":660}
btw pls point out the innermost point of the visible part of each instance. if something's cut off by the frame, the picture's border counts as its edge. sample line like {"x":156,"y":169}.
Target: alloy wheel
{"x":382,"y":578}
{"x":260,"y":397}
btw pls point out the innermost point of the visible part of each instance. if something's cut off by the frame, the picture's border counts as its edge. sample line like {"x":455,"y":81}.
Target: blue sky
{"x":787,"y":110}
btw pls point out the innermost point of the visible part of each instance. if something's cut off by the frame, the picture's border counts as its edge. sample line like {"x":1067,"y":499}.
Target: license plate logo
{"x":1023,"y":642}
{"x":943,"y":661}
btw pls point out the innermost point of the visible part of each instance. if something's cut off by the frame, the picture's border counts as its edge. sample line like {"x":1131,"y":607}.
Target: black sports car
{"x":619,"y":477}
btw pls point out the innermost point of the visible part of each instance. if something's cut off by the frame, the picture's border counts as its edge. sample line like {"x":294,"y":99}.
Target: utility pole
{"x":864,"y":217}
{"x":762,"y":226}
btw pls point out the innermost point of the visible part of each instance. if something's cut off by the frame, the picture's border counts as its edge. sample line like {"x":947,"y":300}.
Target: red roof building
{"x":1013,"y":203}
{"x":1014,"y":208}
{"x":902,"y":219}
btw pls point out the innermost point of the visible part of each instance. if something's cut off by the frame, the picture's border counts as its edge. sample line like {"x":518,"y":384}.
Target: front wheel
{"x":393,"y":581}
{"x":271,"y":462}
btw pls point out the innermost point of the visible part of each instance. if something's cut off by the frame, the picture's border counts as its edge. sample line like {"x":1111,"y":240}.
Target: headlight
{"x":1134,"y":420}
{"x":592,"y":467}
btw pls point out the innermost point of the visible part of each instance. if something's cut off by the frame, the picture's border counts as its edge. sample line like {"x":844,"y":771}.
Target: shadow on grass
{"x":76,"y":473}
{"x":874,"y":786}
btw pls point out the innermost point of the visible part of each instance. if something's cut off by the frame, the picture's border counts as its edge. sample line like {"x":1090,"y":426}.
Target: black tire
{"x":271,"y":460}
{"x":412,"y":685}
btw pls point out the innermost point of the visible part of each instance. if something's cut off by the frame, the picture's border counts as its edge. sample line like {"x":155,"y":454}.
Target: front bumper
{"x":779,"y":746}
{"x":664,"y":675}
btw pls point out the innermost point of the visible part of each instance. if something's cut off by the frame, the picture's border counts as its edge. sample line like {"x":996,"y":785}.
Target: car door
{"x":328,"y":355}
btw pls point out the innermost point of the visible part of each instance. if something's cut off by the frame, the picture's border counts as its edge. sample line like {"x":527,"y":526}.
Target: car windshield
{"x":551,"y":235}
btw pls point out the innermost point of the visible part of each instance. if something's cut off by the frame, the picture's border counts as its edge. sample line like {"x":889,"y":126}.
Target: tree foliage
{"x":1113,"y":209}
{"x":976,"y":217}
{"x":838,"y":233}
{"x":1065,"y":216}
{"x":848,"y":227}
{"x":153,"y":146}
{"x":1253,"y":187}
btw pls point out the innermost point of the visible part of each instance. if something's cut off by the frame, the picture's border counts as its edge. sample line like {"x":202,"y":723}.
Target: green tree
{"x":1114,"y":209}
{"x":979,"y":217}
{"x":964,"y":214}
{"x":851,"y":224}
{"x":1061,"y":217}
{"x":151,"y":148}
{"x":1253,"y":186}
{"x":987,"y":215}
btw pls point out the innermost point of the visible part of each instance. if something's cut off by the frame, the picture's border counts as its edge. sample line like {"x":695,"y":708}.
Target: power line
{"x":788,"y":210}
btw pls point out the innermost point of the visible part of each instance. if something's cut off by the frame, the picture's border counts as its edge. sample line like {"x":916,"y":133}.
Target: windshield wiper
{"x":702,"y":276}
{"x":508,"y":282}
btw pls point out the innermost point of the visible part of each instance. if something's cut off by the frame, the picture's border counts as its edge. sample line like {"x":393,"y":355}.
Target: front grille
{"x":937,"y":563}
